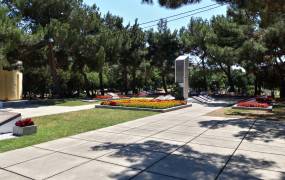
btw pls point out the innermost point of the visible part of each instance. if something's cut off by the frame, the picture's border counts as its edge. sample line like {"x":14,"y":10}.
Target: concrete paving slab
{"x":155,"y":144}
{"x":276,"y":139}
{"x":219,"y":133}
{"x":7,"y":136}
{"x":212,"y":141}
{"x":115,"y":129}
{"x":259,"y":160}
{"x":6,"y":175}
{"x":133,"y":157}
{"x":91,"y":150}
{"x":262,"y":148}
{"x":97,"y":170}
{"x":278,"y":142}
{"x":135,"y":123}
{"x":200,"y":123}
{"x":141,"y":132}
{"x":20,"y":155}
{"x":47,"y":166}
{"x":212,"y":153}
{"x":268,"y":124}
{"x":237,"y":172}
{"x":231,"y":128}
{"x":154,"y":126}
{"x":186,"y":167}
{"x":187,"y":129}
{"x":28,"y":112}
{"x":107,"y":137}
{"x":59,"y":144}
{"x":174,"y":136}
{"x":152,"y":176}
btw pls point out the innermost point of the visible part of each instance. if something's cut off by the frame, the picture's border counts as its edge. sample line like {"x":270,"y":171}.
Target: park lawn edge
{"x":67,"y":124}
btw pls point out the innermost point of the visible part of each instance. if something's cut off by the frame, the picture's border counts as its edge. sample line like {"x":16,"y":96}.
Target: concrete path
{"x":177,"y":145}
{"x":36,"y":111}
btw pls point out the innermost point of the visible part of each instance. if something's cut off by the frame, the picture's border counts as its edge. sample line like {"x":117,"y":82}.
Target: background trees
{"x":70,"y":49}
{"x":163,"y":49}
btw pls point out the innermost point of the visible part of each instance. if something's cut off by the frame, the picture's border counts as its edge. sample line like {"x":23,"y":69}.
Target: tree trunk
{"x":52,"y":65}
{"x":86,"y":84}
{"x":230,"y":80}
{"x":125,"y":79}
{"x":256,"y":87}
{"x":101,"y":82}
{"x":134,"y":80}
{"x":282,"y":88}
{"x":164,"y":83}
{"x":204,"y":73}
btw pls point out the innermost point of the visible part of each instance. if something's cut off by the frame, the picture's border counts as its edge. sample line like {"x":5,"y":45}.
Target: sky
{"x":132,"y":9}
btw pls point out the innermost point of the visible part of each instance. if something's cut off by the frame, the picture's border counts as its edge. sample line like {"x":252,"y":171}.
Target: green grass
{"x":65,"y":102}
{"x":73,"y":103}
{"x":67,"y":124}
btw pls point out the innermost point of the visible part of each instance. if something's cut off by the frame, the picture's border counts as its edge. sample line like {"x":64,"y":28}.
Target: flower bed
{"x":253,"y":104}
{"x":104,"y":97}
{"x":264,"y":99}
{"x":145,"y":103}
{"x":24,"y":127}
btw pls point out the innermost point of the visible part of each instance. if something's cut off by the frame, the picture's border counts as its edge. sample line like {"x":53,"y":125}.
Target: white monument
{"x":182,"y":74}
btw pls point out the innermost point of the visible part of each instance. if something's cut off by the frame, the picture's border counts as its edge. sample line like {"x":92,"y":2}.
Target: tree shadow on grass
{"x":155,"y":157}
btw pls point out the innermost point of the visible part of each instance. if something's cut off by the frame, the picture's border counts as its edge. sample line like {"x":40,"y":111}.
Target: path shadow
{"x":262,"y":130}
{"x":149,"y":157}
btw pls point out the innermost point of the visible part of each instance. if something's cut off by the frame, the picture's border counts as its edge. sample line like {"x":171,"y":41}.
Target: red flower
{"x":25,"y":122}
{"x":253,"y":104}
{"x":113,"y":103}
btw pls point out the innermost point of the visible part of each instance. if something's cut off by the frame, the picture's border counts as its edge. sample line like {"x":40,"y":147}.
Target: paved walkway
{"x":177,"y":145}
{"x":35,"y":111}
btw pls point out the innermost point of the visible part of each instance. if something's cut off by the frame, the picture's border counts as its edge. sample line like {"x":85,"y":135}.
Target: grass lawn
{"x":67,"y":124}
{"x":73,"y":103}
{"x":65,"y":102}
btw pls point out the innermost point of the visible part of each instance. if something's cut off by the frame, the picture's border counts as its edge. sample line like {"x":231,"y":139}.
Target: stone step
{"x":8,"y":120}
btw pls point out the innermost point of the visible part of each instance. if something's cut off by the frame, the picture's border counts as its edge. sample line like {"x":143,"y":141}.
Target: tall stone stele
{"x":182,"y":74}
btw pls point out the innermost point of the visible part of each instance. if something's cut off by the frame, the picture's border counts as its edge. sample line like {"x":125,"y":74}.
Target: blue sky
{"x":132,"y":9}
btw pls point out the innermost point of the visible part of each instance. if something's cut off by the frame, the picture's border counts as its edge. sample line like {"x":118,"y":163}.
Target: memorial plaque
{"x":179,"y":71}
{"x":182,"y":73}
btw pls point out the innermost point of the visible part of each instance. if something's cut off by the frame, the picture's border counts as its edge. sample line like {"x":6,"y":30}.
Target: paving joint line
{"x":7,"y":170}
{"x":68,"y":169}
{"x":29,"y":160}
{"x":230,"y":157}
{"x":168,"y":154}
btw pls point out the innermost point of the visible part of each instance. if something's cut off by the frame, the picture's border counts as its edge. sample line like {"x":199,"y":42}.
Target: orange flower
{"x":145,"y":103}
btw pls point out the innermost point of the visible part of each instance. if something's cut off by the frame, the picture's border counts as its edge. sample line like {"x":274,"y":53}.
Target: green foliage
{"x":10,"y":35}
{"x":163,"y":49}
{"x":69,"y":48}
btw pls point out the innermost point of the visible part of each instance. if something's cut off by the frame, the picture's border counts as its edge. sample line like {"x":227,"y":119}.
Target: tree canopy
{"x":70,"y":49}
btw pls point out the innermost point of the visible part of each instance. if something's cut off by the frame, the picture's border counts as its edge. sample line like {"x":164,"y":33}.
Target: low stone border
{"x":143,"y":109}
{"x":252,"y":108}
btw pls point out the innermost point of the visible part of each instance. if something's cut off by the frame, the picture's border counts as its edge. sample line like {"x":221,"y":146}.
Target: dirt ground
{"x":278,"y":113}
